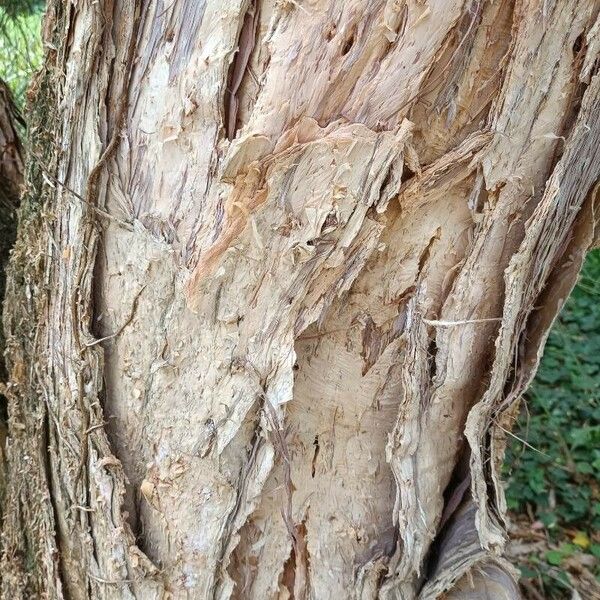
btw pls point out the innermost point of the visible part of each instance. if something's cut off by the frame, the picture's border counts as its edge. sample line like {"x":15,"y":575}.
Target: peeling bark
{"x":284,"y":269}
{"x":11,"y":180}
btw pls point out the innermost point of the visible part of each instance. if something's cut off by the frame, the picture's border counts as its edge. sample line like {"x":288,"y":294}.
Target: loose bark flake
{"x":300,"y":263}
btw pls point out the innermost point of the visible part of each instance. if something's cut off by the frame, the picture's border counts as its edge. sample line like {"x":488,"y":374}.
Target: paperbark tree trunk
{"x":284,"y":269}
{"x":11,"y":180}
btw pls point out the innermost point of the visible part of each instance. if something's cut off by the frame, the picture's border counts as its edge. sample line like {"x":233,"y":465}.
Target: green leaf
{"x":554,"y":557}
{"x":585,"y":468}
{"x":527,"y":573}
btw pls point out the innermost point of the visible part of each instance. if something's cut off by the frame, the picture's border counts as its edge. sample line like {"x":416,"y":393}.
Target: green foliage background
{"x":553,"y":464}
{"x":20,"y":44}
{"x":554,"y":480}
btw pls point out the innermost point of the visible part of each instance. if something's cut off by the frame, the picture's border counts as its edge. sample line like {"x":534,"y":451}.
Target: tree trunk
{"x":11,"y":180}
{"x":284,"y":269}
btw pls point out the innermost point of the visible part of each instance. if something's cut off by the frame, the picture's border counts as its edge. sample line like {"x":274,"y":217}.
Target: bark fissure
{"x":240,"y":67}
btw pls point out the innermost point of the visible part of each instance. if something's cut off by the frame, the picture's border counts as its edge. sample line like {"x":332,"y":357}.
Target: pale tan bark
{"x":301,"y":261}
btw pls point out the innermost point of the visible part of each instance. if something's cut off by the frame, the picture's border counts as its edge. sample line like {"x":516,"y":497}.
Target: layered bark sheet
{"x":284,"y":269}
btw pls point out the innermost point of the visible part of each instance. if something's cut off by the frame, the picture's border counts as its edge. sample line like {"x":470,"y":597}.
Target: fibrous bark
{"x":11,"y":179}
{"x":284,"y":269}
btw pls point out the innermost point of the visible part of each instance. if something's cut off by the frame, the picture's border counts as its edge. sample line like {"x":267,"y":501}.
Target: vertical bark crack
{"x":239,"y":69}
{"x":295,"y":569}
